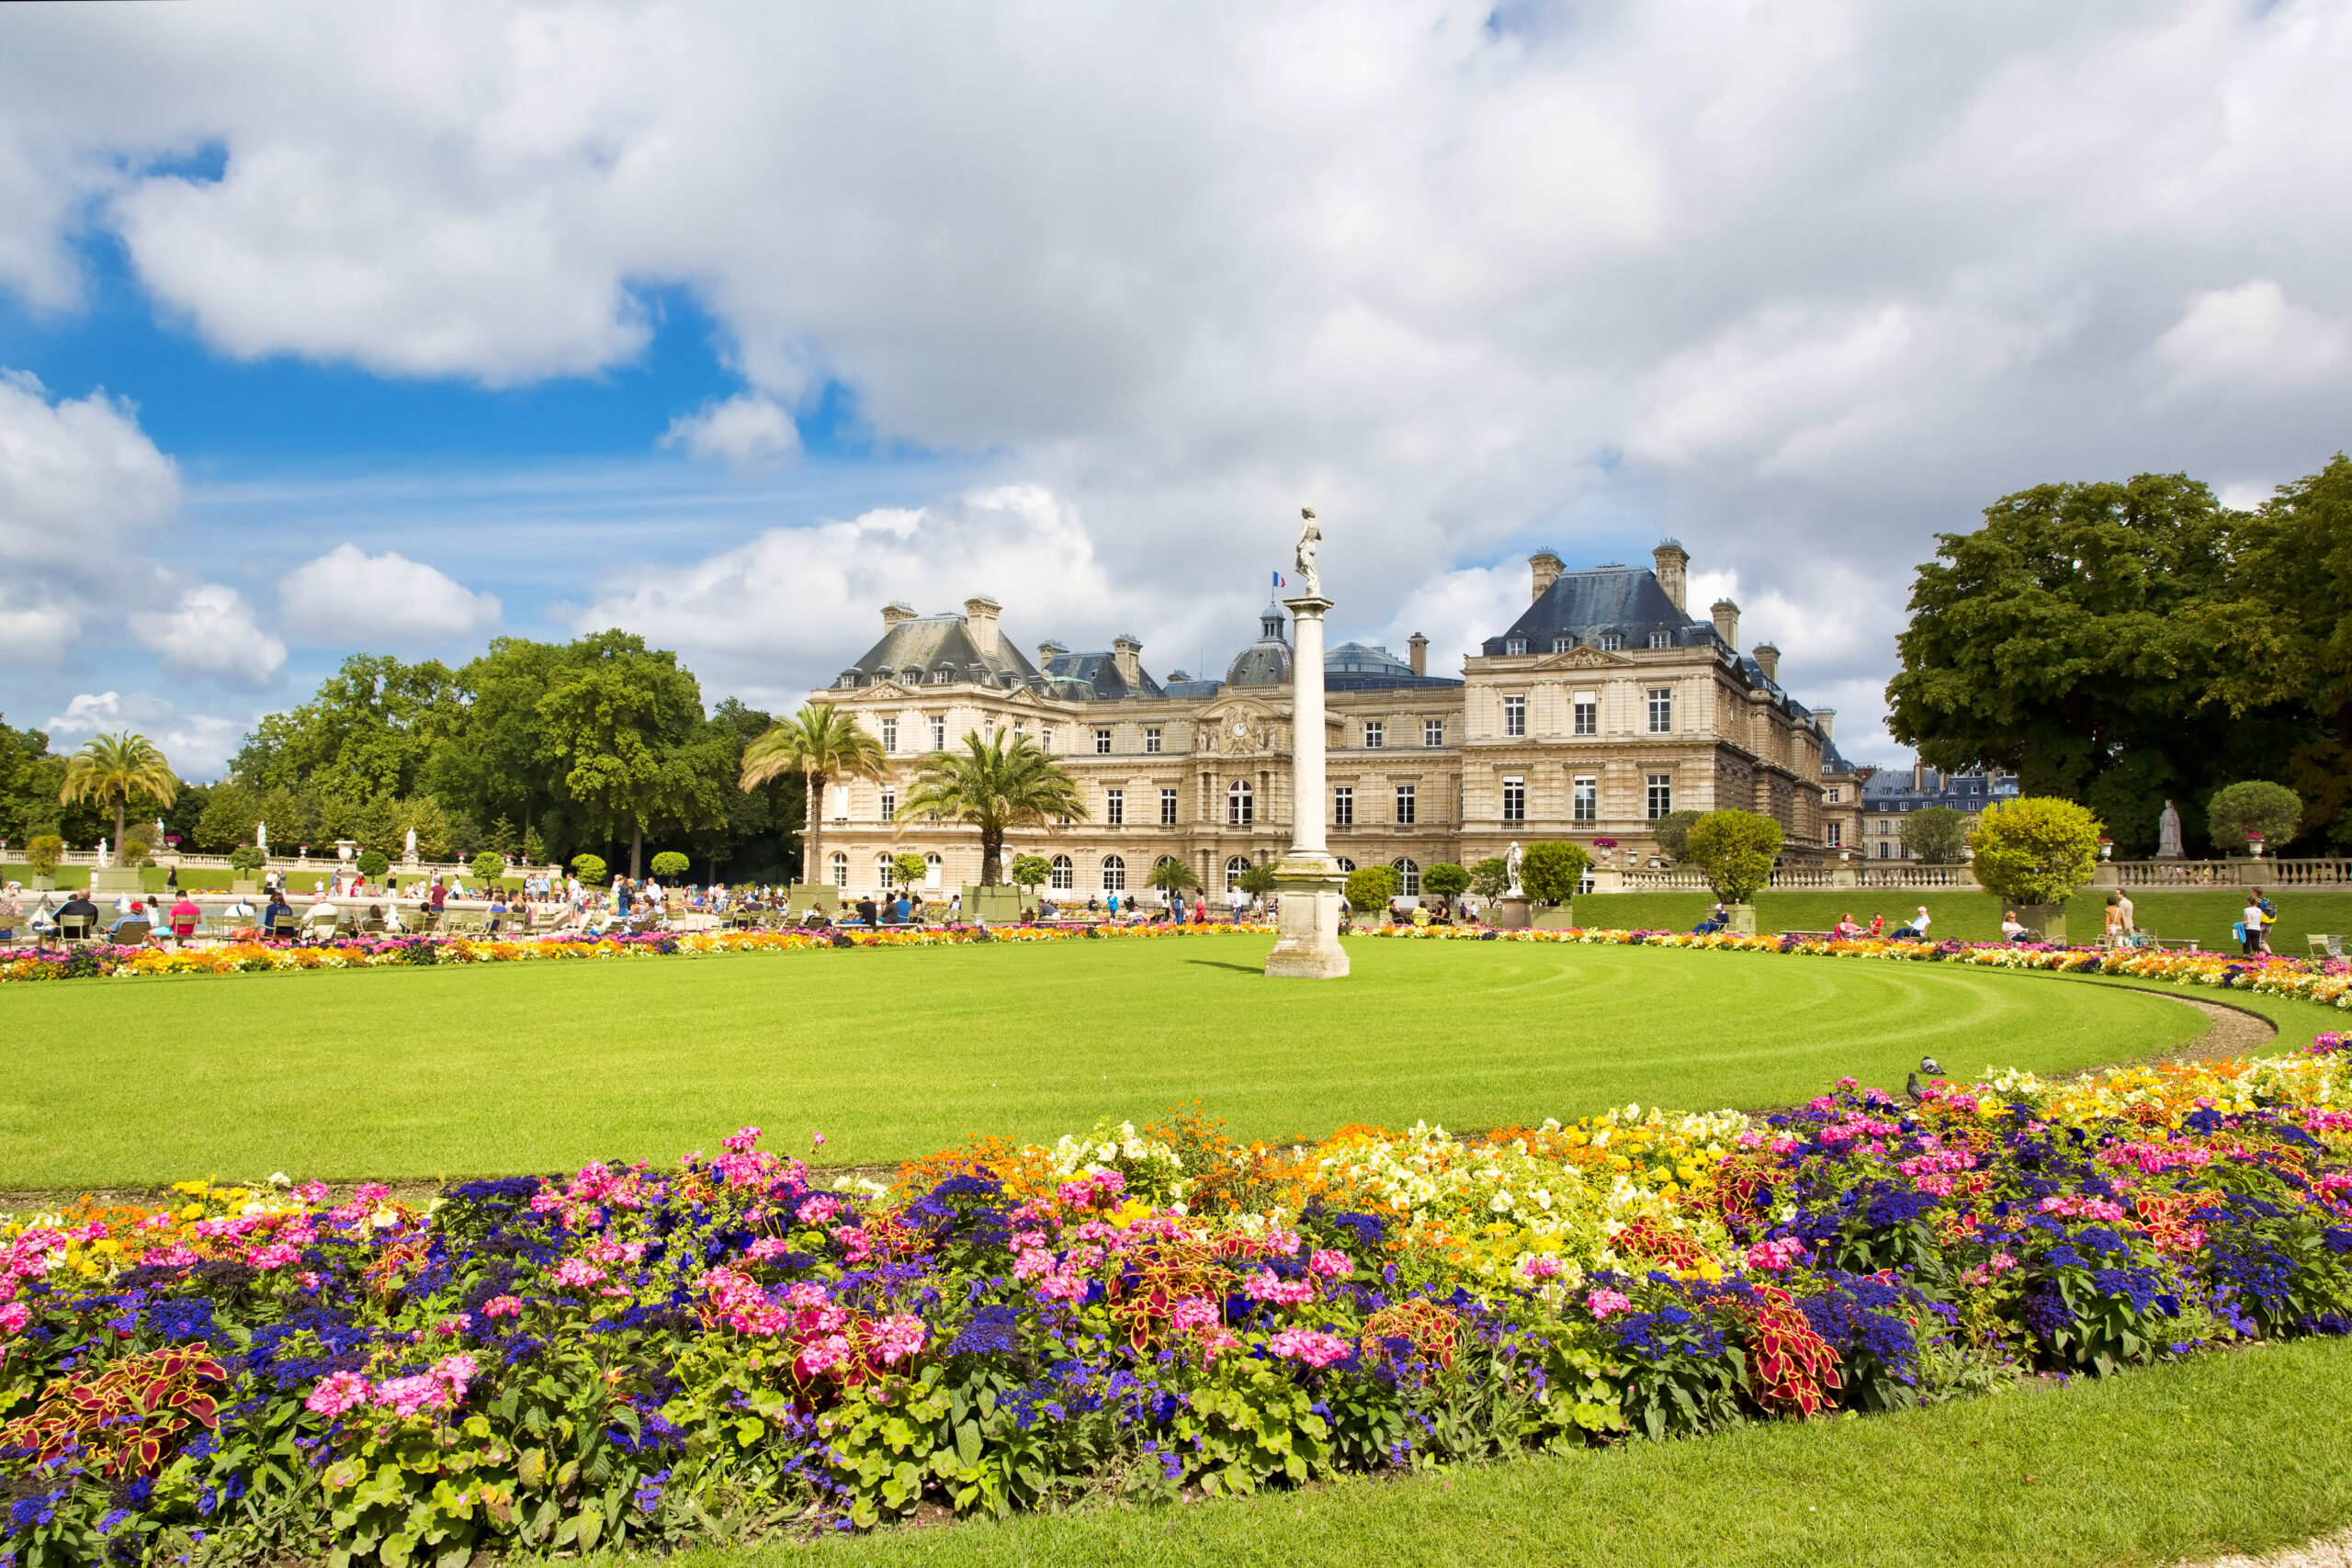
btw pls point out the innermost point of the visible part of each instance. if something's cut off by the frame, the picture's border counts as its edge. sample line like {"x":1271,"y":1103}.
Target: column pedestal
{"x":1307,"y":877}
{"x":1308,"y":947}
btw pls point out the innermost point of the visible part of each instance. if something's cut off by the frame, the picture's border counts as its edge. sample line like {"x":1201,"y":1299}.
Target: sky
{"x":337,"y":329}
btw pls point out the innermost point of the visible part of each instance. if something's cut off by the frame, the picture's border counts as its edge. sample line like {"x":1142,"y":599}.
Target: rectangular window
{"x":1151,"y":740}
{"x":1587,"y":712}
{"x":889,"y":803}
{"x":1661,"y":639}
{"x":1405,"y":804}
{"x":1885,"y":851}
{"x":1514,"y":800}
{"x":1102,"y":742}
{"x":938,"y":733}
{"x":1515,"y":645}
{"x":1562,"y":644}
{"x":1514,"y":715}
{"x":1837,"y":835}
{"x":1114,"y":807}
{"x":1661,"y":710}
{"x":1374,"y":735}
{"x":1045,"y":739}
{"x":1343,"y":807}
{"x":1833,"y":796}
{"x":1168,"y":809}
{"x":1611,"y":641}
{"x":1432,"y":732}
{"x":1588,"y":799}
{"x":1661,"y":794}
{"x":890,"y":735}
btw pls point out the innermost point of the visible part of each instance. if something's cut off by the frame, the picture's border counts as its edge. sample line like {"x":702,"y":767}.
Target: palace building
{"x":1604,"y":707}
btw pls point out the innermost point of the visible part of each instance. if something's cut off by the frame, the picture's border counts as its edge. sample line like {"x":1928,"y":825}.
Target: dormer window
{"x":939,"y":676}
{"x":849,"y":677}
{"x":1562,"y":644}
{"x":1611,"y":642}
{"x":1661,"y":639}
{"x":1515,"y":645}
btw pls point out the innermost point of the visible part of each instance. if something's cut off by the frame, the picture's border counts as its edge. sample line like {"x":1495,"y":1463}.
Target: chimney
{"x":1767,"y":659}
{"x":1547,"y":568}
{"x":1726,"y":614}
{"x":897,"y":610}
{"x":1674,"y":572}
{"x":979,"y":619}
{"x":1828,"y":720}
{"x":1047,"y":653}
{"x":1127,"y":654}
{"x":1417,"y":653}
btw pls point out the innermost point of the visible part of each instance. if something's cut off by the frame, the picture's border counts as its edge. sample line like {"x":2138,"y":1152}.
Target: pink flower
{"x":1195,"y":1311}
{"x":1606,"y":1303}
{"x":574,"y":1274}
{"x":1311,"y":1345}
{"x":1280,"y":1244}
{"x":14,"y":1316}
{"x":371,"y":1192}
{"x":821,"y":1356}
{"x":743,"y":1142}
{"x":768,"y":1247}
{"x":502,"y":1306}
{"x":1330,"y":1265}
{"x":276,"y":1257}
{"x":899,"y":1336}
{"x":1540,"y":1268}
{"x":1266,"y":1286}
{"x":171,"y":1255}
{"x":340,"y":1391}
{"x":313,"y":1192}
{"x":817,"y":1211}
{"x":1773,"y":1256}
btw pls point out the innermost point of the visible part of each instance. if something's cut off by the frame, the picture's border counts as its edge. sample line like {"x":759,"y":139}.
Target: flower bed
{"x":101,"y":961}
{"x":730,"y":1346}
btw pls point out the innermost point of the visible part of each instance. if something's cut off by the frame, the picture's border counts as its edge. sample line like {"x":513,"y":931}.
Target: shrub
{"x":2239,"y":810}
{"x":669,"y":863}
{"x":1027,"y":871}
{"x":2037,"y":849}
{"x":1490,"y":878}
{"x":1551,"y":869}
{"x":1673,"y":832}
{"x":1371,"y":887}
{"x":535,"y":847}
{"x":135,"y":849}
{"x":1936,"y":836}
{"x":1735,"y":848}
{"x":1447,"y":880}
{"x":486,"y":865}
{"x":43,"y":853}
{"x":910,"y":869}
{"x":247,"y":858}
{"x":1257,"y":881}
{"x":374,"y":864}
{"x":590,"y":869}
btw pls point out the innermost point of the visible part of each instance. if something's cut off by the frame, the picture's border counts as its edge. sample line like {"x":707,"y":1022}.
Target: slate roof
{"x":1094,"y":678}
{"x":1586,"y":605}
{"x":1267,"y":661}
{"x":910,"y":650}
{"x":1362,"y":667}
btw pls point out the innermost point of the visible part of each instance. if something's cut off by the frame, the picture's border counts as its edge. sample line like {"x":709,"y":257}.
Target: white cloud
{"x":348,"y":598}
{"x":748,"y":432}
{"x":211,"y":632}
{"x":197,"y":746}
{"x":2252,"y":338}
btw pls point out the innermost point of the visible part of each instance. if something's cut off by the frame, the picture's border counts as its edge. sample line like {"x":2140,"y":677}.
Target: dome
{"x":1265,"y":663}
{"x":1358,"y":659}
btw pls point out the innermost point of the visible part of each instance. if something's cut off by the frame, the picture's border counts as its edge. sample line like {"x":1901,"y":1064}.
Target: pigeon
{"x":1928,"y":1065}
{"x":1911,"y":1088}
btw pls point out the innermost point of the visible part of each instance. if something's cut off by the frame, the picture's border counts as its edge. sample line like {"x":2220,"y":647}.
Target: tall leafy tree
{"x":626,"y":725}
{"x":994,"y":784}
{"x":819,"y":743}
{"x":116,"y":770}
{"x":372,"y":729}
{"x":504,"y":766}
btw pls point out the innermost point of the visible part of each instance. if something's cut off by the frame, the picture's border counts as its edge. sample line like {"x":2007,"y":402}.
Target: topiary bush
{"x":2239,"y":811}
{"x":1735,"y":848}
{"x":1672,"y":833}
{"x":590,"y":869}
{"x":1550,"y":870}
{"x":374,"y":864}
{"x":246,"y":858}
{"x":670,"y":863}
{"x":2035,"y":849}
{"x":1446,"y":880}
{"x":1027,"y":871}
{"x":486,"y":865}
{"x":1936,"y":835}
{"x":1371,"y":887}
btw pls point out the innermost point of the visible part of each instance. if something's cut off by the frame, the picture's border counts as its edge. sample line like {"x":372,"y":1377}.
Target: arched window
{"x":1346,"y":865}
{"x":840,"y":869}
{"x":1114,"y":875}
{"x":1233,"y":870}
{"x":885,"y":869}
{"x":1240,"y":804}
{"x":1408,"y":874}
{"x":931,"y":871}
{"x":1060,"y":879}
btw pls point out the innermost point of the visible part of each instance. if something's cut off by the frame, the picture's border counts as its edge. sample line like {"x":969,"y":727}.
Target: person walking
{"x":2113,"y":936}
{"x":2131,"y":915}
{"x":2250,"y":926}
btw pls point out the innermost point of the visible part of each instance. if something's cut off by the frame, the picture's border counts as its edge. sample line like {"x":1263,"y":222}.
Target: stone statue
{"x":1511,"y":858}
{"x":104,"y":859}
{"x":408,"y":845}
{"x":261,"y":836}
{"x":1310,"y":539}
{"x":2168,"y":834}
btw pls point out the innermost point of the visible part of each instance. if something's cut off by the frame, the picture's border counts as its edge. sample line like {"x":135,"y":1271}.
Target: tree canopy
{"x":2120,"y":644}
{"x":2035,"y":849}
{"x":1735,"y":848}
{"x":1936,"y":835}
{"x":113,"y":769}
{"x":1551,"y":869}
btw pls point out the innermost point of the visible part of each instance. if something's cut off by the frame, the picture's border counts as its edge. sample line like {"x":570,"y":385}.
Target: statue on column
{"x":1310,"y":539}
{"x":2169,"y":833}
{"x":1511,"y":858}
{"x":261,"y":836}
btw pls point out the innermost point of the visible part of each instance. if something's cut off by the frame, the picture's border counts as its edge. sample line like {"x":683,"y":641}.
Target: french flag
{"x":1278,"y":579}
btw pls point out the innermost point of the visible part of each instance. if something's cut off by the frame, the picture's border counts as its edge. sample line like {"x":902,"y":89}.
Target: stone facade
{"x":1891,"y":794}
{"x":1602,"y":707}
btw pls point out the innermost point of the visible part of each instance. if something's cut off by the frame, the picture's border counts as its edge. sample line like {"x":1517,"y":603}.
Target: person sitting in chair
{"x":1717,"y":919}
{"x":277,"y":909}
{"x":79,"y":913}
{"x":2012,"y":929}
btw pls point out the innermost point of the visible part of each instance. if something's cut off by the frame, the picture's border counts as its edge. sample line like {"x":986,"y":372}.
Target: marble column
{"x":1306,"y":879}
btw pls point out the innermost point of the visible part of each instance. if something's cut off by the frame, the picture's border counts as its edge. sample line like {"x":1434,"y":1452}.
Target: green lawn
{"x":1977,"y":917}
{"x":524,"y":1067}
{"x":2154,"y":1467}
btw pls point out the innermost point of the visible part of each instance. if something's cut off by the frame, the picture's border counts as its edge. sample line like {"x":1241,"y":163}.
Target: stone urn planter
{"x":1743,"y":919}
{"x":1553,"y":918}
{"x":2050,"y":920}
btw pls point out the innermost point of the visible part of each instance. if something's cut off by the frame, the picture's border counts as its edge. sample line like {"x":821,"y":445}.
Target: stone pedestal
{"x":2050,"y":920}
{"x":1743,"y":919}
{"x":1842,"y":875}
{"x":2255,"y":872}
{"x":1555,"y":918}
{"x":2106,"y":875}
{"x":1309,"y":920}
{"x":1307,"y":878}
{"x":1510,"y":913}
{"x":114,"y":879}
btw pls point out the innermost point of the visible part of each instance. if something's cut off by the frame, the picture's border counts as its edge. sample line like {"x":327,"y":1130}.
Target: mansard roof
{"x":910,"y":650}
{"x":1364,"y":667}
{"x":1095,"y":678}
{"x":1585,"y":605}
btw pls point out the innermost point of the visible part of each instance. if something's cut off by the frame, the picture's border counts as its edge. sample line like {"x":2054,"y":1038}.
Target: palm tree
{"x":115,"y":768}
{"x":1171,"y":876}
{"x":993,"y":785}
{"x":819,"y":743}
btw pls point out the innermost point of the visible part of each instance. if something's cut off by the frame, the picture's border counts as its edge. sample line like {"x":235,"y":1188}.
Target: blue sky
{"x":397,"y":332}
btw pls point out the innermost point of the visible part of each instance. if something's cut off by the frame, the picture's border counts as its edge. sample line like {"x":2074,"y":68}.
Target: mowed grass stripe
{"x":522,"y":1067}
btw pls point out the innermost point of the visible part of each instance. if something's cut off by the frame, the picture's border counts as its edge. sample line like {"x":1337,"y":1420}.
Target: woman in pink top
{"x":185,"y":918}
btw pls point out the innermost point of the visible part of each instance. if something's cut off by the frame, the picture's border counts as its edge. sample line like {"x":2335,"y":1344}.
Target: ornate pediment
{"x":1582,"y":657}
{"x":1237,"y":728}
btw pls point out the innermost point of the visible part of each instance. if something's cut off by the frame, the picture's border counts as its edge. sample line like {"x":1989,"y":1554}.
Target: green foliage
{"x":1673,"y":832}
{"x":819,"y":743}
{"x":486,"y":865}
{"x":1490,"y":878}
{"x":1550,"y":870}
{"x":1371,"y":887}
{"x":626,"y":726}
{"x":2035,"y":849}
{"x":247,"y":859}
{"x":230,"y":812}
{"x":1171,"y":875}
{"x":590,"y":869}
{"x":1735,"y":848}
{"x":1257,"y":881}
{"x":115,"y":770}
{"x":535,"y":847}
{"x":1935,"y":835}
{"x":373,"y":865}
{"x":1446,"y":880}
{"x":43,"y":852}
{"x":371,"y":729}
{"x":911,"y":870}
{"x":993,"y":785}
{"x":2236,"y":810}
{"x":669,"y":863}
{"x":1028,"y":871}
